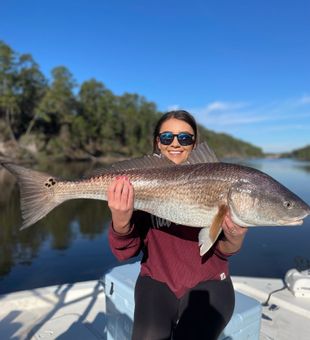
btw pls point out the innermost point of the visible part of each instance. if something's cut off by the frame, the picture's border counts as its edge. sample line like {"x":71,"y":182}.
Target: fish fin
{"x":148,"y":161}
{"x":202,"y":154}
{"x":37,"y":195}
{"x":208,"y":236}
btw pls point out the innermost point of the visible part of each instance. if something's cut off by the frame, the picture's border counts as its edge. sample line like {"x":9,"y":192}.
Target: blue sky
{"x":241,"y":67}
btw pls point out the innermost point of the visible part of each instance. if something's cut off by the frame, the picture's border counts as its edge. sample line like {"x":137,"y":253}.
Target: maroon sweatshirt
{"x":170,"y":252}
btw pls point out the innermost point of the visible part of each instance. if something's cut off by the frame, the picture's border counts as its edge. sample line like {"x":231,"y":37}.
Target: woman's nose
{"x":175,"y":142}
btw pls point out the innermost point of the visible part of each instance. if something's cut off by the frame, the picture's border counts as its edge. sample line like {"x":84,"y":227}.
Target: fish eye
{"x":288,"y":204}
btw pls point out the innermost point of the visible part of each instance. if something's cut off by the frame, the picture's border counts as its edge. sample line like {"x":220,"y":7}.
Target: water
{"x":71,"y":245}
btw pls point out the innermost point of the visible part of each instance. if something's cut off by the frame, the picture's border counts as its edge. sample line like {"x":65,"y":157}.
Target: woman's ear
{"x":158,"y":143}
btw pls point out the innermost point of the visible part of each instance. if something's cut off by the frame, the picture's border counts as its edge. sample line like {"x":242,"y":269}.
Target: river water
{"x":70,"y":244}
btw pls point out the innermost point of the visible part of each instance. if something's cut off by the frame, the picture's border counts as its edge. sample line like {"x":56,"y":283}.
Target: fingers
{"x":111,"y":191}
{"x":229,"y":223}
{"x":231,"y":228}
{"x":126,"y":189}
{"x":120,"y":194}
{"x":130,"y":199}
{"x":118,"y":191}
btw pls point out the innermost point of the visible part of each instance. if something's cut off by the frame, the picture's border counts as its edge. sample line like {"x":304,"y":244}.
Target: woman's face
{"x":175,"y":152}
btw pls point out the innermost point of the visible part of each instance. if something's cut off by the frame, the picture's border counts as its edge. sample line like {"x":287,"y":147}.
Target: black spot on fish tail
{"x":36,"y":198}
{"x":50,"y":182}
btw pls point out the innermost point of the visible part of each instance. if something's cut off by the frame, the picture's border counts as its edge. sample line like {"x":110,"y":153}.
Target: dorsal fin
{"x":148,"y":161}
{"x":202,"y":154}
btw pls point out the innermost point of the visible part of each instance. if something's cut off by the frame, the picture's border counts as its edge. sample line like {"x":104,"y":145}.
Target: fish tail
{"x":37,"y":193}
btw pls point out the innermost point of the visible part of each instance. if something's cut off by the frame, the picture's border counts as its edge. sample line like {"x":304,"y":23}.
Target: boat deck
{"x":77,"y":311}
{"x":284,"y":316}
{"x":70,"y":311}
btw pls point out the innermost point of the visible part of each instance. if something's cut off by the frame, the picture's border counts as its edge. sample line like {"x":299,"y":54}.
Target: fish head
{"x":265,"y":202}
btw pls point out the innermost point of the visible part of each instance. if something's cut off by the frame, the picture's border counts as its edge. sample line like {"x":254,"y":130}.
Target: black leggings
{"x":202,"y":313}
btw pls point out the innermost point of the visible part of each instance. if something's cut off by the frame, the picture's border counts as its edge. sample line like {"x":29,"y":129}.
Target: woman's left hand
{"x":232,"y":230}
{"x":234,"y":236}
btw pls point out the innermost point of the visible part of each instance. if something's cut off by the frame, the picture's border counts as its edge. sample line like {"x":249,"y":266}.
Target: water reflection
{"x":305,"y":167}
{"x":70,"y":244}
{"x":7,"y":184}
{"x":73,"y":220}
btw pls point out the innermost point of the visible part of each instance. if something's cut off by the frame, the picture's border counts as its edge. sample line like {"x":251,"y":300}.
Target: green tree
{"x":31,"y":87}
{"x":137,"y":120}
{"x":148,"y":117}
{"x":8,"y":99}
{"x":95,"y":128}
{"x":58,"y":105}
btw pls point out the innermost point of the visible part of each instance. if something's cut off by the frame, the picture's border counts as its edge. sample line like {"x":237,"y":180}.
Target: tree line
{"x":301,"y":154}
{"x":59,"y":118}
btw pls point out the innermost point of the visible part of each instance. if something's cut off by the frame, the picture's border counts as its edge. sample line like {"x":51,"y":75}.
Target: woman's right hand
{"x":120,"y":202}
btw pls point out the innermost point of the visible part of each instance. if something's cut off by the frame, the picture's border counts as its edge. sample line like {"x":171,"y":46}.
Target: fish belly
{"x":178,"y":212}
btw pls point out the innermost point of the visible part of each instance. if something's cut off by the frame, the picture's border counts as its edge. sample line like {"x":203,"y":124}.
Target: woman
{"x":178,"y":293}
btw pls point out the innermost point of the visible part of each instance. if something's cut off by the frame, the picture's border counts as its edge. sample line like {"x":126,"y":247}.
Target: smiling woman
{"x":175,"y":149}
{"x":175,"y":123}
{"x":173,"y":277}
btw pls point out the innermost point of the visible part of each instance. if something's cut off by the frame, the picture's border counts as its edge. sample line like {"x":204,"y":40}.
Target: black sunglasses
{"x":184,"y":138}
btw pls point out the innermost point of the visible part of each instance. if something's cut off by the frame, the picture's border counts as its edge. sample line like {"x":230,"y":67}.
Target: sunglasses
{"x":184,"y":138}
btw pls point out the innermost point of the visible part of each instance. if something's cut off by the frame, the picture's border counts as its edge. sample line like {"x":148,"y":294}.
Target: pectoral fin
{"x":208,"y":236}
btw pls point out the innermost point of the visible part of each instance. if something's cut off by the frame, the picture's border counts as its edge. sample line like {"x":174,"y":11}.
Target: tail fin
{"x":37,"y":194}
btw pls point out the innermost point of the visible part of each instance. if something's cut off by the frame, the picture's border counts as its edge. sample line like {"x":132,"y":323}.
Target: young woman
{"x":178,"y":293}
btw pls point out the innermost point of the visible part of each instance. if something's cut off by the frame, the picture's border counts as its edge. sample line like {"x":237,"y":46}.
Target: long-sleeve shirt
{"x":170,"y":252}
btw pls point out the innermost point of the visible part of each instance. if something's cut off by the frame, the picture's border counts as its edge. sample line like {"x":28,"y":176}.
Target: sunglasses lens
{"x":185,"y":139}
{"x":166,"y":138}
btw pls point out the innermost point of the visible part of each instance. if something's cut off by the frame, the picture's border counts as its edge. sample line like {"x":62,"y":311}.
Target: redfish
{"x":198,"y":193}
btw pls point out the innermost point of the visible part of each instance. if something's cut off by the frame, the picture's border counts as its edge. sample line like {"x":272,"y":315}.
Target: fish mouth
{"x":292,"y":222}
{"x":297,"y":220}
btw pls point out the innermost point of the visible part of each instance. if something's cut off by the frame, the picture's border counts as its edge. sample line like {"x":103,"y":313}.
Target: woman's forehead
{"x":176,"y":125}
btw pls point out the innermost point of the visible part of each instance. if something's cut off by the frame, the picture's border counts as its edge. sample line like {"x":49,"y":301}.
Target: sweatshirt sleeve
{"x":221,"y":254}
{"x":126,"y":246}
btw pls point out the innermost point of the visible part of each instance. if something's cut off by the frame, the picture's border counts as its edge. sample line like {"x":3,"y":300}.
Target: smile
{"x":175,"y":152}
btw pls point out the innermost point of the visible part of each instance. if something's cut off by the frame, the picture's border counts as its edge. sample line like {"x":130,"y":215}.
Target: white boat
{"x":284,"y":315}
{"x":78,"y":311}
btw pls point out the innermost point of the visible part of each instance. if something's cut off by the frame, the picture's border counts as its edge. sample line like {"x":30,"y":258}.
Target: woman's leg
{"x":156,"y":309}
{"x":205,"y":310}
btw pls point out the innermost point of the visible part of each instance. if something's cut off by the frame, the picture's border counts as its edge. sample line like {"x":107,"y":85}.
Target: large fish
{"x":198,"y":193}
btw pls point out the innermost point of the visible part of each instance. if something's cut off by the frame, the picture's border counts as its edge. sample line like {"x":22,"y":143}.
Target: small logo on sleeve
{"x":223,"y":276}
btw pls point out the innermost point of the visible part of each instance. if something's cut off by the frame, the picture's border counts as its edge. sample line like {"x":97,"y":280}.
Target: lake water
{"x":70,"y":244}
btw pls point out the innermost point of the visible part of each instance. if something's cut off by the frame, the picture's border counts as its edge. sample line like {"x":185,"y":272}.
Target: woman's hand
{"x":232,"y":230}
{"x":234,"y":235}
{"x":120,"y":202}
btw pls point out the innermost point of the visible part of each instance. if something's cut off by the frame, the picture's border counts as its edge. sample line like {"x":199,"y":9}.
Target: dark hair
{"x":177,"y":114}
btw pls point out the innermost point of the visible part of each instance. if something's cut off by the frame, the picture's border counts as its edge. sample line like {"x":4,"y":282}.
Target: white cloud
{"x":222,"y":107}
{"x":216,"y":106}
{"x":305,"y":100}
{"x":274,"y":125}
{"x":241,"y":113}
{"x":173,"y":107}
